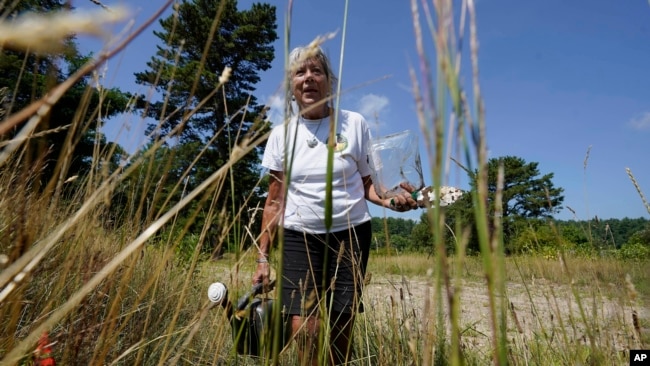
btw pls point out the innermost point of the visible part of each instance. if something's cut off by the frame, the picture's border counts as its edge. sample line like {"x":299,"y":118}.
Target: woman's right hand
{"x":262,"y":273}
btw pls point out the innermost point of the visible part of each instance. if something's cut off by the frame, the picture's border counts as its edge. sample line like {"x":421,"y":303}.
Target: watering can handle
{"x":255,"y":290}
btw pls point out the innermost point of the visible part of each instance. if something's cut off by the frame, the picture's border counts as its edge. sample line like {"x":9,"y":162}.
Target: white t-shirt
{"x":305,"y":201}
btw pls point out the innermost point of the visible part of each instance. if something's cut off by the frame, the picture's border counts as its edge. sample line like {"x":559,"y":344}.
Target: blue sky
{"x":557,"y":77}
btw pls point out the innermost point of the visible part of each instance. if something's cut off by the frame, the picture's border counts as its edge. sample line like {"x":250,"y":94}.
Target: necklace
{"x":313,"y":141}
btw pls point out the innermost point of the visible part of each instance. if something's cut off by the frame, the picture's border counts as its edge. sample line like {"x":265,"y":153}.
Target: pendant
{"x":312,"y":143}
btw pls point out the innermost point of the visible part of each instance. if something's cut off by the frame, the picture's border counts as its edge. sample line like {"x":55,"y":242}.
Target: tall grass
{"x":121,"y":295}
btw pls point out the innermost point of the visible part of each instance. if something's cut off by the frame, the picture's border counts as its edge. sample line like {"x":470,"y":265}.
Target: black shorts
{"x":309,"y":267}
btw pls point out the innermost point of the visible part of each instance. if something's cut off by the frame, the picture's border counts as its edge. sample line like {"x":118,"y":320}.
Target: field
{"x":553,"y":311}
{"x":152,"y":308}
{"x":108,"y":268}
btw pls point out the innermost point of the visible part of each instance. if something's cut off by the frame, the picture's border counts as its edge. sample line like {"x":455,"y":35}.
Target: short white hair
{"x":299,"y":56}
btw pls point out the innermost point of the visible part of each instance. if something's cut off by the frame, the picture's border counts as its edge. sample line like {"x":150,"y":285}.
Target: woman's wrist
{"x":262,"y":257}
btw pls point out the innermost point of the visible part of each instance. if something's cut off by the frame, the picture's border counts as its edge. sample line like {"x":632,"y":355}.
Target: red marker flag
{"x":43,"y":353}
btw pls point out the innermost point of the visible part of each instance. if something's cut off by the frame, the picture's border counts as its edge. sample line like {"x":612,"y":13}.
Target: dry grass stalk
{"x":46,"y":33}
{"x":636,"y":324}
{"x":586,"y":161}
{"x":17,"y":352}
{"x":638,"y":189}
{"x":4,"y":91}
{"x":515,"y":318}
{"x":43,"y":105}
{"x":40,"y":134}
{"x":97,"y":2}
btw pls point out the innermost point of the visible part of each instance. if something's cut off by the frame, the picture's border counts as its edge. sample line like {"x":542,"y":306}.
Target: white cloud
{"x":640,"y":122}
{"x":373,"y":106}
{"x":276,"y":108}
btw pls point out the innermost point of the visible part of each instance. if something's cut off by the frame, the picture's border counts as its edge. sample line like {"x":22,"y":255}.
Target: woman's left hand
{"x":404,"y":201}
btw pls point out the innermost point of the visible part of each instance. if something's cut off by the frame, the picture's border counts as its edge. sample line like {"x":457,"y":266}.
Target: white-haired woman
{"x":323,"y":267}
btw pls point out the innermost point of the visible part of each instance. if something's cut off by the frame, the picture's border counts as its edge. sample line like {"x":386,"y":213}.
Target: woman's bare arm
{"x":273,"y":208}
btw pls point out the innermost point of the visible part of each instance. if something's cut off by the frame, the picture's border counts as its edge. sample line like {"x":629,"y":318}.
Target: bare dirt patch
{"x":537,"y":310}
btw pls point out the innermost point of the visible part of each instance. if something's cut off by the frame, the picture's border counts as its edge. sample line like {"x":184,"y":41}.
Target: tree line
{"x":523,"y":201}
{"x":529,"y":237}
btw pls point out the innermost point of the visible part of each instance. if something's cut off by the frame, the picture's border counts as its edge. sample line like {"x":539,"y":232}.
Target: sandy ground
{"x":538,"y":309}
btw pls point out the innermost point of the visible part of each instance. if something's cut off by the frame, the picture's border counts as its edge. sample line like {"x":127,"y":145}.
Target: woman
{"x":322,"y":270}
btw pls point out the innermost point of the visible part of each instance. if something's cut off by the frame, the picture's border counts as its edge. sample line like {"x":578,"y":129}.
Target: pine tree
{"x":197,"y":43}
{"x":525,"y":196}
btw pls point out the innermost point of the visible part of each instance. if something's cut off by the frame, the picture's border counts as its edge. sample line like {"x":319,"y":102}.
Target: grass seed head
{"x":47,"y":33}
{"x":225,"y":75}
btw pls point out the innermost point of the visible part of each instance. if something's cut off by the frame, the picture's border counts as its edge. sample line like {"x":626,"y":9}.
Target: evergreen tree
{"x":196,"y":45}
{"x":70,"y":131}
{"x":525,"y":195}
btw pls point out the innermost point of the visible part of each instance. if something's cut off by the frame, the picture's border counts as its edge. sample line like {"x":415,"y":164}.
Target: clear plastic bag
{"x":395,"y":160}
